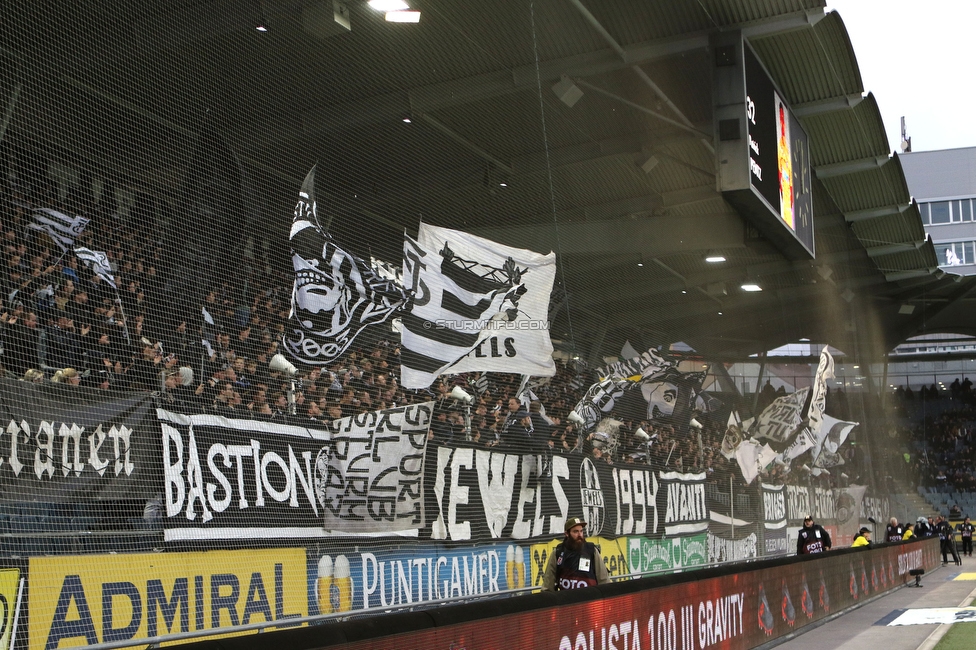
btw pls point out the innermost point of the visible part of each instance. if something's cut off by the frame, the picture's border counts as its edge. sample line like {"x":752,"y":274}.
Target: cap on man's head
{"x":573,"y":522}
{"x":865,"y":529}
{"x":808,"y":518}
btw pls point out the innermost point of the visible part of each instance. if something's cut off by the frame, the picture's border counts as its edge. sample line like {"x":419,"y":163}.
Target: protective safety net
{"x":311,"y":309}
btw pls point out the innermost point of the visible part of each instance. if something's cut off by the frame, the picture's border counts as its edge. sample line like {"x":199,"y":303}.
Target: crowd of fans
{"x":62,"y":322}
{"x":942,"y":451}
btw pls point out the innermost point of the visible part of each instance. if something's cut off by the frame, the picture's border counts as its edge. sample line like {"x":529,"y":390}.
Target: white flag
{"x":98,"y":262}
{"x":780,"y":419}
{"x":753,"y":458}
{"x":646,"y":365}
{"x":818,"y":399}
{"x":834,"y":433}
{"x":477,"y":305}
{"x":62,"y":229}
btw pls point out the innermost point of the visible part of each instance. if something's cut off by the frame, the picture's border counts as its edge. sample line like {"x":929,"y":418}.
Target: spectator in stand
{"x":63,"y":343}
{"x":21,"y":336}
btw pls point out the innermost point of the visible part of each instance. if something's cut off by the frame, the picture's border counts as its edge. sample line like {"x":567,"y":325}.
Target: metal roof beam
{"x":464,"y":142}
{"x":874,"y":213}
{"x":689,"y":196}
{"x":893,"y":249}
{"x":626,"y":235}
{"x":897,"y":276}
{"x":784,"y":23}
{"x":830,"y":105}
{"x":456,"y":92}
{"x":851,"y":166}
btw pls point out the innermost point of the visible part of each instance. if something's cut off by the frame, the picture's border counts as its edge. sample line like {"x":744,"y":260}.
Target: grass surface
{"x":961,"y":636}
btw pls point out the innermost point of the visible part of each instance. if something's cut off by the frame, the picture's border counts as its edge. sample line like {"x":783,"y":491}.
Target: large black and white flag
{"x":519,"y":342}
{"x":779,"y":421}
{"x":98,"y":262}
{"x":464,"y":290}
{"x":643,"y":366}
{"x":336,"y":294}
{"x":62,"y":229}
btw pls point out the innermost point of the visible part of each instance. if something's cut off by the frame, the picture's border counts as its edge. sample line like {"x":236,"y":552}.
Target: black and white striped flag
{"x":453,"y":301}
{"x":62,"y":229}
{"x":336,"y":294}
{"x":481,"y":384}
{"x":478,"y":306}
{"x":97,"y":261}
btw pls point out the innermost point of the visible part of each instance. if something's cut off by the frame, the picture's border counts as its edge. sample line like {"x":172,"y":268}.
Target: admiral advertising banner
{"x":227,"y":478}
{"x":9,"y":593}
{"x":743,"y":610}
{"x":85,"y":600}
{"x":61,"y":443}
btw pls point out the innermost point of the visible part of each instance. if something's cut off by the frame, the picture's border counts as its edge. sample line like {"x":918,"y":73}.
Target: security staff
{"x":575,"y":562}
{"x":812,"y":538}
{"x":966,"y":529}
{"x":908,"y":534}
{"x":946,"y":537}
{"x":863,"y":538}
{"x":894,"y":532}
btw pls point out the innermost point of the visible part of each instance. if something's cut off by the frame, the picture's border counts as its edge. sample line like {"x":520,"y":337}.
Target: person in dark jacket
{"x":946,"y":537}
{"x":812,"y":538}
{"x":966,"y":529}
{"x":894,"y":532}
{"x":575,"y":562}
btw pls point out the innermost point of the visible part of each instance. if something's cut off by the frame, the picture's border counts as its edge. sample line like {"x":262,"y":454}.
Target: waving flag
{"x":97,"y":261}
{"x":336,"y":295}
{"x":642,"y":366}
{"x":470,"y":298}
{"x":516,"y":340}
{"x":62,"y":229}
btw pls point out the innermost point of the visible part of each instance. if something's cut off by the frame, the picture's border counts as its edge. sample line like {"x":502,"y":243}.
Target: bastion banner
{"x":229,"y":478}
{"x":61,"y":443}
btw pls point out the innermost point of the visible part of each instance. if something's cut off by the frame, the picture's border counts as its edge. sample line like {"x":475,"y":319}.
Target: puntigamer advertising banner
{"x":738,"y":610}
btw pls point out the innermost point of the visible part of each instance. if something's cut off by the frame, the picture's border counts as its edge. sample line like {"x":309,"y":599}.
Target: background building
{"x":944,"y":184}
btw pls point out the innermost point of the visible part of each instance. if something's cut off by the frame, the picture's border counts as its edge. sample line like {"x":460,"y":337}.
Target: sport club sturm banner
{"x":61,"y":443}
{"x":740,"y":610}
{"x":228,"y":478}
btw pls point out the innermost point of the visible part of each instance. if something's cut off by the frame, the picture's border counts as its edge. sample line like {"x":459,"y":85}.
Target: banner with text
{"x":229,"y":478}
{"x":62,"y":443}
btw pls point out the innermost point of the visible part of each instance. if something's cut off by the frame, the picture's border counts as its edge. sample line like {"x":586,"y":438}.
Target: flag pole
{"x":125,"y":321}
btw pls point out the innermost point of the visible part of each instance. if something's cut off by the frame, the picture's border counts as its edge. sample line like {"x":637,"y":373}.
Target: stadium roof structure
{"x":455,"y":121}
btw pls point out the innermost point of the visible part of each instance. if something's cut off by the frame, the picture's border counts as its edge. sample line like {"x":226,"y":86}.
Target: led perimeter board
{"x":763,"y":152}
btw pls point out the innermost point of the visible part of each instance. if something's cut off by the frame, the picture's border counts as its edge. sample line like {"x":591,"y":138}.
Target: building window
{"x":956,"y":253}
{"x":966,"y":210}
{"x":923,"y":210}
{"x":939,"y":212}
